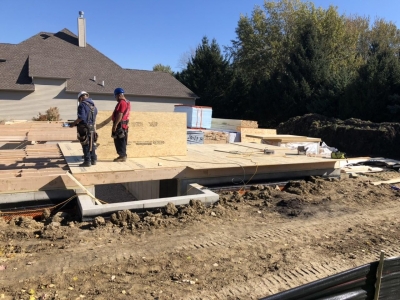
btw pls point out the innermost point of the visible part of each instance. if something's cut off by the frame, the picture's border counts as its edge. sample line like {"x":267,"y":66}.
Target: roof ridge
{"x":66,"y":30}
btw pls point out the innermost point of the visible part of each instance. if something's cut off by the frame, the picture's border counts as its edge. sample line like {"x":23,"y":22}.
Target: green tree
{"x":208,"y":75}
{"x":374,"y":95}
{"x":162,"y":68}
{"x":294,"y":58}
{"x":265,"y":40}
{"x":305,"y":85}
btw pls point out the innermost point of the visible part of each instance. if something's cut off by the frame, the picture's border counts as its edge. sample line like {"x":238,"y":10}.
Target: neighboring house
{"x":50,"y":69}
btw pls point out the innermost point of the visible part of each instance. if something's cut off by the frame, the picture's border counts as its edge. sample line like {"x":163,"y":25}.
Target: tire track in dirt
{"x":307,"y":272}
{"x":276,"y":283}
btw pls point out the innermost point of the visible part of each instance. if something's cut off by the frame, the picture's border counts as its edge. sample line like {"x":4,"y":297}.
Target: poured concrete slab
{"x":89,"y":210}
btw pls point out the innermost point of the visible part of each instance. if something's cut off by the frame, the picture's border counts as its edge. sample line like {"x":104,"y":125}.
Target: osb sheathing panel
{"x":150,"y":134}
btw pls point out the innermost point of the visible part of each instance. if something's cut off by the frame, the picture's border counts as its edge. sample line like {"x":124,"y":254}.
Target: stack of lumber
{"x":13,"y":133}
{"x":150,"y":134}
{"x":227,"y":130}
{"x":36,"y":131}
{"x":232,"y":124}
{"x":215,"y":137}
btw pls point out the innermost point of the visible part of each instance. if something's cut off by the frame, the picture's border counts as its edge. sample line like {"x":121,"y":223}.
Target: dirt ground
{"x":247,"y":246}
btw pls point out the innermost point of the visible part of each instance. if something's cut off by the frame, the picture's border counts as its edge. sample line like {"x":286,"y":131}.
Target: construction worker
{"x":120,"y":118}
{"x":85,"y":123}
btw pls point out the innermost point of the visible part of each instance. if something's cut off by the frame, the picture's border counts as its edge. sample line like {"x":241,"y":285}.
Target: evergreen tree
{"x":375,"y":93}
{"x":208,"y":75}
{"x":305,"y":84}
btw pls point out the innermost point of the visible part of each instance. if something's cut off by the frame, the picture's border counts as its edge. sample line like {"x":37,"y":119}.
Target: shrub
{"x":52,"y":114}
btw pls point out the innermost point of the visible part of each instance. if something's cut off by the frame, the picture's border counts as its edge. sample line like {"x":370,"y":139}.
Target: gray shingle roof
{"x":58,"y":55}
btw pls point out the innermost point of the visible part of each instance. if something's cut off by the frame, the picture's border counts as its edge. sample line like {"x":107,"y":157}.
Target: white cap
{"x":82,"y":93}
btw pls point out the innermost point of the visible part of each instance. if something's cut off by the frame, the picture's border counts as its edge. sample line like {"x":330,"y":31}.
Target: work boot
{"x":94,"y":162}
{"x":85,"y":164}
{"x":120,"y":159}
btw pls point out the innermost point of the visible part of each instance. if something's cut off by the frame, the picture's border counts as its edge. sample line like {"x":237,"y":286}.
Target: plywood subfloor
{"x":199,"y":157}
{"x":43,"y":167}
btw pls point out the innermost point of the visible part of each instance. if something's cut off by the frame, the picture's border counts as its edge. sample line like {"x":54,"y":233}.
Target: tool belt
{"x":85,"y":132}
{"x":119,"y":132}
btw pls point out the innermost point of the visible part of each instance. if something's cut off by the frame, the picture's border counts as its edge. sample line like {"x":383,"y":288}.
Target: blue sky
{"x":137,"y":34}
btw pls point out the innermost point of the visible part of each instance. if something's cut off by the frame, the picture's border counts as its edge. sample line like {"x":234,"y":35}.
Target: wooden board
{"x":361,"y":169}
{"x":232,"y":124}
{"x":283,"y":138}
{"x":150,"y":134}
{"x":37,"y":131}
{"x":255,"y":131}
{"x":390,"y":181}
{"x":353,"y":160}
{"x":54,"y":134}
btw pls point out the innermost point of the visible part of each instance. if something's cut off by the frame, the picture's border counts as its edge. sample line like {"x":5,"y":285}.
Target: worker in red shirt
{"x":120,"y":118}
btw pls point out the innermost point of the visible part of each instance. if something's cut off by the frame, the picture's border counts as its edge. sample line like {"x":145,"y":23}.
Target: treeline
{"x":290,"y":58}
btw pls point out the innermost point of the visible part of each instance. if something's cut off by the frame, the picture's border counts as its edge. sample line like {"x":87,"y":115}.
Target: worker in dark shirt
{"x":85,"y":123}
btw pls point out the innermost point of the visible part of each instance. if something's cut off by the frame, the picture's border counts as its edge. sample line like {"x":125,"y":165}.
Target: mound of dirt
{"x":353,"y":136}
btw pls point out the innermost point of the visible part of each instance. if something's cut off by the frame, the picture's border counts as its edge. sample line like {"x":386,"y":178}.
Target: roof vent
{"x":102,"y":83}
{"x":94,"y":78}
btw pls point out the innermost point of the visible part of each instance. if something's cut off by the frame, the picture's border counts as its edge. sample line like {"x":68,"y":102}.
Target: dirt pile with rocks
{"x":353,"y":136}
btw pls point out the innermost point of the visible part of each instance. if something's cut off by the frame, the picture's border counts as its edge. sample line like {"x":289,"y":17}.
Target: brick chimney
{"x":81,"y":30}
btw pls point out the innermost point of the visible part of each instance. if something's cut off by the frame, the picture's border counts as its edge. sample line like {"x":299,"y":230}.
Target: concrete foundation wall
{"x":143,"y":190}
{"x":239,"y":180}
{"x":89,"y":210}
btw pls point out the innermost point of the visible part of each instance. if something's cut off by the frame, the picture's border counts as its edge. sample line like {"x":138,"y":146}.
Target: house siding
{"x":51,"y":93}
